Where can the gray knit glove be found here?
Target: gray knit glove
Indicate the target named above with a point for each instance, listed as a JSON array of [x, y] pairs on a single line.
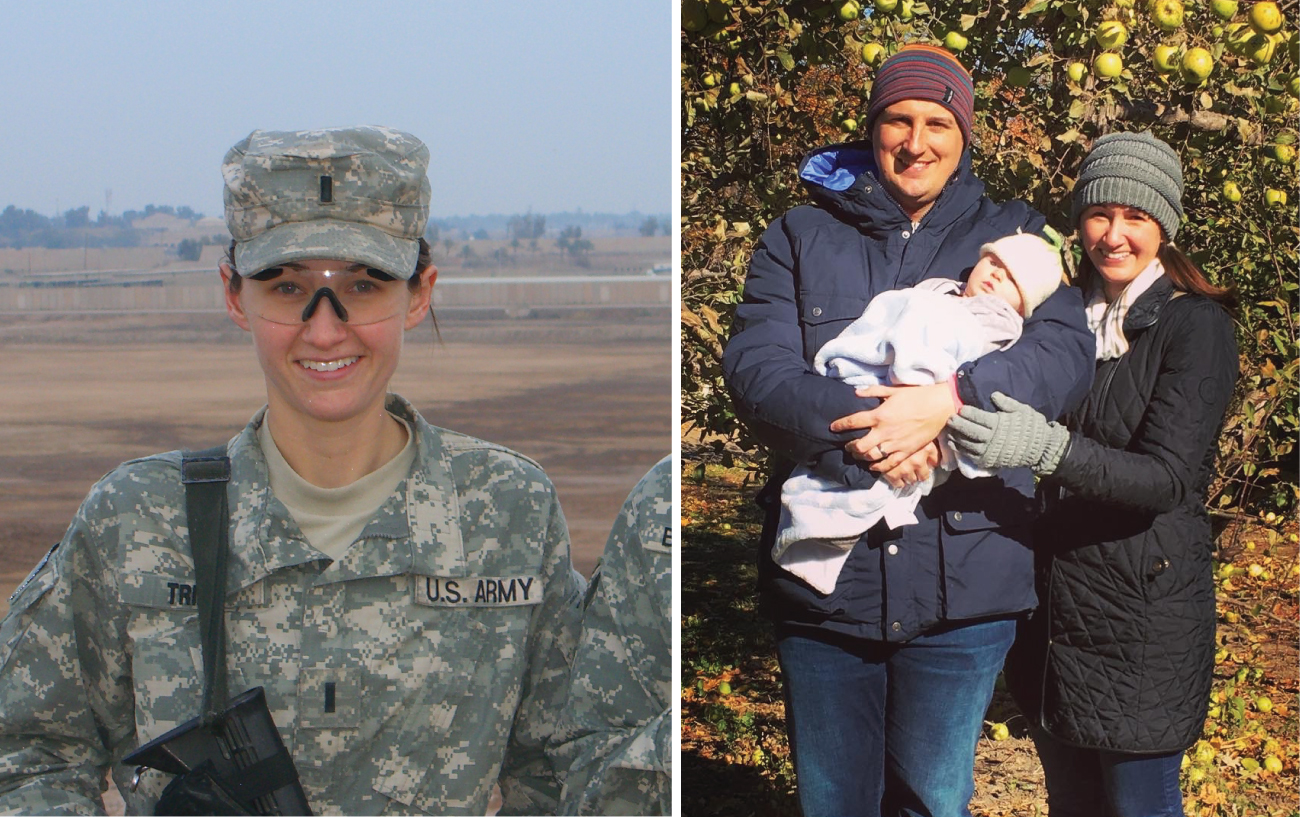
[[1014, 436]]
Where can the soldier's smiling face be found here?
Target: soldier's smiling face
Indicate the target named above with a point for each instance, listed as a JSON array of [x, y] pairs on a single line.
[[326, 369]]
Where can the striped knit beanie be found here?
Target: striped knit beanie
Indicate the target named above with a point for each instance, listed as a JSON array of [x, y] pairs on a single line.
[[926, 72], [1135, 170]]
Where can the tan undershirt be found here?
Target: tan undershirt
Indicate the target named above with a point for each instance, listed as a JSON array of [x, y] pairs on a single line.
[[332, 518]]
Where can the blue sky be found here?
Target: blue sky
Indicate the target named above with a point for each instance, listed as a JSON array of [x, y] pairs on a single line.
[[548, 106]]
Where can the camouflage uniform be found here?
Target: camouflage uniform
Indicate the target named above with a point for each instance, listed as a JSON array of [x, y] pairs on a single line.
[[615, 735], [442, 635]]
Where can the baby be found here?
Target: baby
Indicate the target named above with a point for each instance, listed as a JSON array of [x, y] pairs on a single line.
[[916, 336]]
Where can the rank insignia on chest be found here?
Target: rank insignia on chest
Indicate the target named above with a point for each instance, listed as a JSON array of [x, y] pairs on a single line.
[[477, 591]]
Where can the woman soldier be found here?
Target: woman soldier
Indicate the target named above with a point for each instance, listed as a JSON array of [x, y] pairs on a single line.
[[1114, 670], [402, 593]]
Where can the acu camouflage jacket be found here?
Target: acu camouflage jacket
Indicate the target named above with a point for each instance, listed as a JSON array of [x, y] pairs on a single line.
[[443, 636], [615, 736]]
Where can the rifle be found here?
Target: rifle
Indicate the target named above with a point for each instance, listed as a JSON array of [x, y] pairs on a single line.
[[227, 761]]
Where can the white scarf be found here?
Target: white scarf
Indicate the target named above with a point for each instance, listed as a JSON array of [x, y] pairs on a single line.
[[1106, 320]]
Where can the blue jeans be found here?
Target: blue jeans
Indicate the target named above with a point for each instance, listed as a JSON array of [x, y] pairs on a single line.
[[889, 729], [1098, 783]]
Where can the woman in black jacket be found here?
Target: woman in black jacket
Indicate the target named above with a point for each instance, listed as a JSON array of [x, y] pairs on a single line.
[[1114, 668]]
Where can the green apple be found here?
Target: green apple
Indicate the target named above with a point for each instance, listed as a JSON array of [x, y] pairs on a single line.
[[1237, 37], [1273, 764], [885, 6], [1076, 71], [1108, 64], [1165, 58], [999, 731], [734, 89], [719, 12], [1293, 87], [1262, 703], [872, 52], [1231, 191], [1285, 154], [694, 15], [849, 125], [1274, 198], [724, 688], [1224, 9], [1111, 34], [905, 9], [711, 79], [955, 41], [1070, 10], [1216, 32], [1019, 76], [1261, 48], [849, 10], [1167, 14], [1197, 65], [1265, 17]]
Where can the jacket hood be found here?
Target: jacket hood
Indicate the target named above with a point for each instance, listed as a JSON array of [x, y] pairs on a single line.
[[843, 179]]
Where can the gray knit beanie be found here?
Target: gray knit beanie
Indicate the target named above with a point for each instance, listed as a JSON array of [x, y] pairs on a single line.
[[1136, 170]]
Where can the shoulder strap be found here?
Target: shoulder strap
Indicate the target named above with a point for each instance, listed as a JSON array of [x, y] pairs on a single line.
[[205, 474]]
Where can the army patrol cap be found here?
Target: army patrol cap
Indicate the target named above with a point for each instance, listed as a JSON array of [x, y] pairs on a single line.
[[356, 194]]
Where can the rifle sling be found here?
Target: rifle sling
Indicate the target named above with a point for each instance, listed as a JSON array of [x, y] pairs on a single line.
[[205, 475]]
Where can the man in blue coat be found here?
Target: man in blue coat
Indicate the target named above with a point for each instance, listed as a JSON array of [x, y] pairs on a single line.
[[887, 678]]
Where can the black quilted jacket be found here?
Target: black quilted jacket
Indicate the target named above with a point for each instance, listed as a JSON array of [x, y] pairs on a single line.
[[1120, 654]]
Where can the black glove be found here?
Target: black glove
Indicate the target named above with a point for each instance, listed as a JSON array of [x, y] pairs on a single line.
[[1014, 436]]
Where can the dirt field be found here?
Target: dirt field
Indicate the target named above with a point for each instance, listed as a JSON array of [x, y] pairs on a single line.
[[588, 399]]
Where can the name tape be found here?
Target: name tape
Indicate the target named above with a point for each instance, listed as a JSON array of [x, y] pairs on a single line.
[[477, 591]]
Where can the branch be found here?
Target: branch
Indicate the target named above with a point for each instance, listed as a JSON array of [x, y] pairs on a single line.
[[1157, 112]]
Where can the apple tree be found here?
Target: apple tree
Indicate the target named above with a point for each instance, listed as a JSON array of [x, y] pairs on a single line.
[[764, 81]]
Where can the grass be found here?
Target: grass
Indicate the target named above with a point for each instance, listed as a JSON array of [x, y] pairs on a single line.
[[735, 759]]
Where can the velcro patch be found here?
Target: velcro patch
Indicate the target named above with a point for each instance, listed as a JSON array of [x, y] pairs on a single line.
[[662, 543], [177, 593], [477, 591]]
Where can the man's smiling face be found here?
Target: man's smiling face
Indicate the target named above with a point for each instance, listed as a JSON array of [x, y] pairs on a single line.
[[917, 145]]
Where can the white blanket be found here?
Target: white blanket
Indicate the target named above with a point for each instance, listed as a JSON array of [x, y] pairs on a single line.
[[917, 336]]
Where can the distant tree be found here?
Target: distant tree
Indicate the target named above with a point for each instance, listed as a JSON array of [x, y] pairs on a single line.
[[188, 214], [572, 244], [189, 249], [467, 252], [649, 226], [78, 218], [447, 245], [480, 234], [526, 226]]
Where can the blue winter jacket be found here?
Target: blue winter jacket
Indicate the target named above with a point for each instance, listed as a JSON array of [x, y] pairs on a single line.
[[813, 272]]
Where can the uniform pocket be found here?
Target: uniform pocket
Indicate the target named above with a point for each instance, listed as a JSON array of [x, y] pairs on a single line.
[[165, 669], [437, 767]]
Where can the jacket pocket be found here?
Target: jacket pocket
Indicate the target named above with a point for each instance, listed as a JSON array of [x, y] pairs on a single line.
[[823, 316]]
